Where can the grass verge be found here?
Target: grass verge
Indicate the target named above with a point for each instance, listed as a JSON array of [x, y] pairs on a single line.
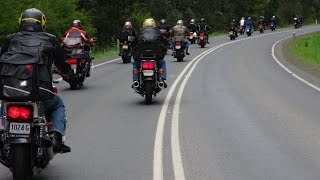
[[99, 54], [307, 49]]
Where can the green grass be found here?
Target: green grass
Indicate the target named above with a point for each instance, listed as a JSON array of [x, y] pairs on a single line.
[[104, 53], [307, 48]]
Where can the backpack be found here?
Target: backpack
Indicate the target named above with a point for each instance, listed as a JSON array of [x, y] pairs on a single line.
[[150, 44], [24, 70]]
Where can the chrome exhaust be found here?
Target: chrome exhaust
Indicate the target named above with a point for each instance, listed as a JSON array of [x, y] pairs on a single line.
[[136, 84], [160, 84]]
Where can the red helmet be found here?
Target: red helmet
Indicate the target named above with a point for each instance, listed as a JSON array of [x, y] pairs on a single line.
[[77, 24]]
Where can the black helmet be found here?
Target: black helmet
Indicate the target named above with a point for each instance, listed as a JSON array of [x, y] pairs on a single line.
[[32, 20], [202, 20]]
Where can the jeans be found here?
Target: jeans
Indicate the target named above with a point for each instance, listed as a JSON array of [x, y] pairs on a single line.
[[87, 57], [56, 112], [161, 63]]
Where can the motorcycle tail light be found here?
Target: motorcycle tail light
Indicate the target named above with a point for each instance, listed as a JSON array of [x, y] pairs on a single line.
[[19, 112], [178, 43], [55, 89], [191, 33], [160, 71], [201, 34], [72, 61], [135, 71], [148, 65]]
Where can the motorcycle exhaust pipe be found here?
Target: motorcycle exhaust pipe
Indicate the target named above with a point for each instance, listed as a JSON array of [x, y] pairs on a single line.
[[136, 84], [160, 84]]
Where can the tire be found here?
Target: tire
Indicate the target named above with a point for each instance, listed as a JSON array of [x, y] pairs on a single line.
[[202, 44], [21, 161], [179, 59], [148, 88], [73, 86]]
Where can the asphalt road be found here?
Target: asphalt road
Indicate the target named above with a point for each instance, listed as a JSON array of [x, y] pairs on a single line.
[[233, 114]]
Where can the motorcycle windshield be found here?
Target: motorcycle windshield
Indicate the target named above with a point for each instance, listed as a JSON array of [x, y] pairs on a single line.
[[72, 41]]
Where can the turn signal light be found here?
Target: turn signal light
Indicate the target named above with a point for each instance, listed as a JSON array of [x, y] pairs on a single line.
[[135, 71], [19, 112], [160, 71]]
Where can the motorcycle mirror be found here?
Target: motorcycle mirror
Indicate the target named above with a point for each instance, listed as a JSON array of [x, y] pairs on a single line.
[[94, 38]]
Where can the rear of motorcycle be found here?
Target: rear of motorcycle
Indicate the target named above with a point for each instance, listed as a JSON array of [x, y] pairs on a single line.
[[242, 29], [178, 51], [150, 83], [192, 37], [261, 29], [232, 35], [126, 50], [202, 40], [25, 143], [272, 27], [79, 66], [248, 31]]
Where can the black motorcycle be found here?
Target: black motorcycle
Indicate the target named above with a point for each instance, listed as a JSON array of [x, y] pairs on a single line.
[[25, 144], [126, 54], [178, 50], [150, 83]]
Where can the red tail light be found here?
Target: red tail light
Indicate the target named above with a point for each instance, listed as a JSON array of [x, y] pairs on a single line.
[[19, 112], [178, 43], [201, 34], [191, 33], [55, 89], [72, 61], [148, 65]]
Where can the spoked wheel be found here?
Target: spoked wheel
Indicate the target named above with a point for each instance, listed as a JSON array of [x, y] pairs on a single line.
[[148, 86], [21, 161]]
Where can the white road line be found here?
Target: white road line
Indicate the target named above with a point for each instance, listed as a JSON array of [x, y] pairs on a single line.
[[176, 154], [100, 64], [288, 70]]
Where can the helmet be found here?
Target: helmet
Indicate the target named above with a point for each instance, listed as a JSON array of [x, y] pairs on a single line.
[[192, 21], [77, 24], [233, 20], [32, 18], [149, 23], [261, 17], [202, 20], [249, 17], [273, 16], [242, 18], [162, 21], [180, 22], [128, 24]]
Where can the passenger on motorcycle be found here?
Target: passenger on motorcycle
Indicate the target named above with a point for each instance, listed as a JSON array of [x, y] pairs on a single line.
[[204, 27], [274, 21], [124, 33], [234, 27], [32, 23], [158, 46], [180, 32], [262, 22], [75, 31]]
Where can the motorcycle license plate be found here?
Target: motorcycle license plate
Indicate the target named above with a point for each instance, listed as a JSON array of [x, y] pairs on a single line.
[[201, 38], [73, 66], [178, 47], [125, 47], [20, 128], [148, 72]]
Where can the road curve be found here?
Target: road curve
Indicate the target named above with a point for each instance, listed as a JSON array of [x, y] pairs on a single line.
[[241, 117]]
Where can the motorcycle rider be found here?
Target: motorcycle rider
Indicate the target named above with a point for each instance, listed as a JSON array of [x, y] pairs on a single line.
[[75, 29], [234, 27], [126, 31], [32, 23], [274, 21], [192, 27], [204, 27], [242, 23], [262, 22], [159, 46], [249, 23], [181, 32], [164, 26]]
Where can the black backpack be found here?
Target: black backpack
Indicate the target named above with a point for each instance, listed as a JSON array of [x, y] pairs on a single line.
[[25, 70]]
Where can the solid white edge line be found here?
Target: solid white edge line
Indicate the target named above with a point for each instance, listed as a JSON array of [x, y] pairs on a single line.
[[100, 64], [286, 69]]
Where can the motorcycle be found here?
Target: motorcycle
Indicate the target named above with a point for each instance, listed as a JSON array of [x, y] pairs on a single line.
[[75, 53], [261, 28], [249, 30], [232, 35], [126, 50], [202, 41], [150, 83], [192, 37], [165, 33], [272, 27], [25, 144], [178, 50], [297, 23], [242, 30]]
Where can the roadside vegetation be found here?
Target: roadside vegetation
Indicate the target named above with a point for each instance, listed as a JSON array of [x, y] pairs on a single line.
[[306, 48]]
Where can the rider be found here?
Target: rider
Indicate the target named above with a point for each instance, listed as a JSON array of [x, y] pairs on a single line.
[[76, 30], [192, 27], [164, 26], [204, 27], [234, 27], [242, 23], [249, 23], [126, 31], [180, 32], [262, 22], [32, 23], [158, 45], [274, 21]]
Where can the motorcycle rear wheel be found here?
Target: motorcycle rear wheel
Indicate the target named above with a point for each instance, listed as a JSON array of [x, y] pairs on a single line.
[[73, 86], [21, 161], [148, 88]]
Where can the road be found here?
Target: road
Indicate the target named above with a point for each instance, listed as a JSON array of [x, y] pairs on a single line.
[[231, 114]]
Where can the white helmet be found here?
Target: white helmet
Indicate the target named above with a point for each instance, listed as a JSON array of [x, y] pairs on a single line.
[[180, 22], [192, 21], [242, 18], [274, 16]]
